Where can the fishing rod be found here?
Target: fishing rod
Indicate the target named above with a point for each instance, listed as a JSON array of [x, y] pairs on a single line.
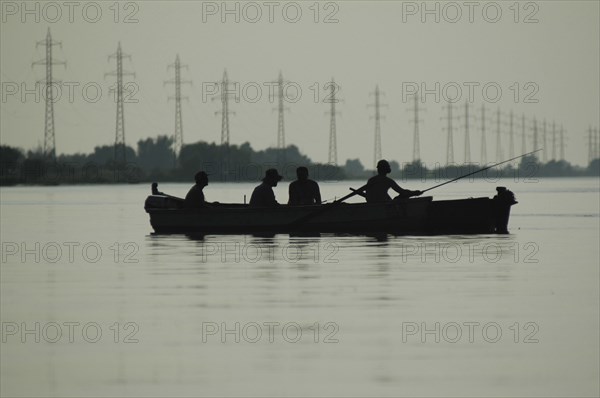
[[480, 170]]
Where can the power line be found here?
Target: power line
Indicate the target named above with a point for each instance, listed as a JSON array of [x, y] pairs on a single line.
[[49, 133]]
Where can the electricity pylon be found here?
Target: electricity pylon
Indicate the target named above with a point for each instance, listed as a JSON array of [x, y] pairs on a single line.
[[48, 61], [467, 144], [449, 135], [120, 148], [498, 138], [178, 133], [483, 157], [377, 116], [281, 108], [415, 120], [332, 158], [225, 112]]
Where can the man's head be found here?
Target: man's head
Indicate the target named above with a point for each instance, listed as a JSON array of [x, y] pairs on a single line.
[[201, 178], [302, 173], [383, 167], [272, 177]]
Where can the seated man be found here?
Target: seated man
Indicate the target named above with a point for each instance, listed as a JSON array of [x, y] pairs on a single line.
[[304, 191], [263, 195], [195, 197], [378, 186]]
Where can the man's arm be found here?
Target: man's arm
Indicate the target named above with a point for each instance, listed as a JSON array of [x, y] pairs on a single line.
[[272, 198], [406, 193], [290, 194], [317, 194]]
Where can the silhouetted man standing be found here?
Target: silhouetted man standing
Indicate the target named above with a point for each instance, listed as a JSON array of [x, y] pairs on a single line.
[[195, 197], [304, 191], [378, 186], [263, 195]]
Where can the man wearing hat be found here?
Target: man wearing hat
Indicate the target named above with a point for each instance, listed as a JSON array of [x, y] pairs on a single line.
[[195, 197], [263, 195]]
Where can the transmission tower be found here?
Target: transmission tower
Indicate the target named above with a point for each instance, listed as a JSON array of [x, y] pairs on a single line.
[[377, 142], [523, 135], [280, 113], [535, 136], [498, 139], [467, 138], [591, 139], [178, 133], [593, 144], [449, 139], [544, 141], [511, 135], [483, 143], [332, 127], [225, 112], [120, 148], [596, 144], [416, 120], [562, 143], [553, 140], [49, 137]]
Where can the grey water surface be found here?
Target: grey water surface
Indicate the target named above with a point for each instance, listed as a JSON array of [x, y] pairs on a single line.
[[94, 304]]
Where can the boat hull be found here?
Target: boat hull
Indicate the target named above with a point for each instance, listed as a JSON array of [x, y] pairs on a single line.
[[416, 216]]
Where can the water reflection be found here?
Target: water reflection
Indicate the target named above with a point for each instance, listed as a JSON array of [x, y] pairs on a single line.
[[370, 286]]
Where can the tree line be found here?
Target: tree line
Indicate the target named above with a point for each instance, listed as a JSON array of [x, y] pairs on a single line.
[[154, 160]]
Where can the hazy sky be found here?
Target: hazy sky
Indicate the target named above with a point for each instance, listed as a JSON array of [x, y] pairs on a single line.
[[553, 60]]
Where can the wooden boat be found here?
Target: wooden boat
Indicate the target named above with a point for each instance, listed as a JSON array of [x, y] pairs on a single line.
[[415, 216]]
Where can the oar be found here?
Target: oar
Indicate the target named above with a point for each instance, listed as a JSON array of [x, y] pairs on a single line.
[[480, 170]]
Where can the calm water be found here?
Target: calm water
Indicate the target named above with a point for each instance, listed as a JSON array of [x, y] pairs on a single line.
[[117, 311]]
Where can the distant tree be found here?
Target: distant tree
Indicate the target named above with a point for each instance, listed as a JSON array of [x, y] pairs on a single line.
[[414, 169], [354, 168], [105, 155], [556, 168], [593, 168], [156, 154], [10, 162], [395, 166], [221, 162], [529, 167], [10, 155]]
